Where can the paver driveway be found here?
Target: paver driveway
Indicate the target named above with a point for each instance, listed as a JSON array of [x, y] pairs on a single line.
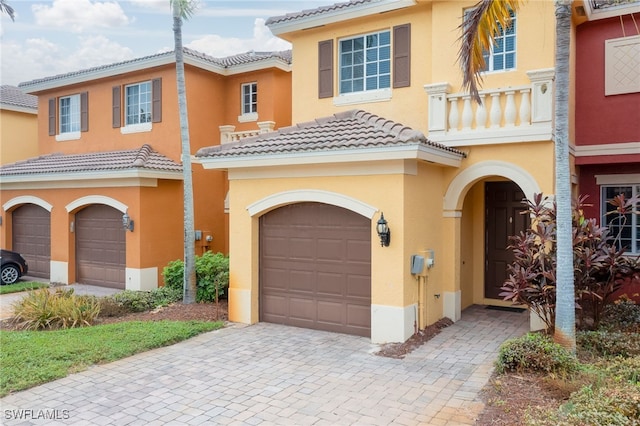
[[271, 374]]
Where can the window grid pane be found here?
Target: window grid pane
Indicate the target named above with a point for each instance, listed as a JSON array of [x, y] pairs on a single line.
[[624, 229], [502, 55], [70, 114], [365, 63], [249, 98], [138, 103]]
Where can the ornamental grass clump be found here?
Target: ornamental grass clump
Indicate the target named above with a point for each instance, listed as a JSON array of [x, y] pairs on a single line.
[[43, 309]]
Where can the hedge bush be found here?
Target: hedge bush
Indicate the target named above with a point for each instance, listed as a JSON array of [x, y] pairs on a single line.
[[535, 352], [609, 343], [212, 276], [138, 301]]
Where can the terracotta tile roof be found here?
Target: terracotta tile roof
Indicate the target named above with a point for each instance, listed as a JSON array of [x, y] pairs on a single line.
[[143, 158], [355, 129], [226, 62], [315, 12], [13, 96]]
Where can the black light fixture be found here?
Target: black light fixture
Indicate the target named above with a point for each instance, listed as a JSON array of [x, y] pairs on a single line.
[[383, 231], [127, 223]]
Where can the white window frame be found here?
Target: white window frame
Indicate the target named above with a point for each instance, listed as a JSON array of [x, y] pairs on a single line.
[[139, 121], [367, 63], [248, 102], [68, 118], [633, 220], [500, 41]]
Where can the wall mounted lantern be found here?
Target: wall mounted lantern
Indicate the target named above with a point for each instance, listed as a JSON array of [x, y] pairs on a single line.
[[383, 231], [127, 223]]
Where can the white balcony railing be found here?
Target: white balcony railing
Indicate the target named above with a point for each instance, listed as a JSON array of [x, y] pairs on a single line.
[[227, 133], [506, 115]]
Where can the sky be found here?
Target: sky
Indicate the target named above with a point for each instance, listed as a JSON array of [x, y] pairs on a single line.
[[59, 36]]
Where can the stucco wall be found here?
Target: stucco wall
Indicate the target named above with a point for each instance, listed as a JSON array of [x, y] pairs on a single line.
[[18, 136]]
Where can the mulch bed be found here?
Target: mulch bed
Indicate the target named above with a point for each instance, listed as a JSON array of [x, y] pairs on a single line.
[[400, 350]]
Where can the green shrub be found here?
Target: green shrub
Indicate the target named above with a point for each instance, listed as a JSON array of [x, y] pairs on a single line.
[[212, 276], [535, 352], [613, 404], [138, 301], [621, 369], [42, 309], [621, 315], [609, 344]]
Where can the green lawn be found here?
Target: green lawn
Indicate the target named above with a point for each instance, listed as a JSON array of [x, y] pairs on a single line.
[[30, 358], [21, 286]]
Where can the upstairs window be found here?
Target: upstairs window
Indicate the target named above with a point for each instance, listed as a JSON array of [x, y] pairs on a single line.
[[624, 228], [249, 98], [138, 103], [365, 62], [69, 114], [366, 66], [502, 54], [142, 106]]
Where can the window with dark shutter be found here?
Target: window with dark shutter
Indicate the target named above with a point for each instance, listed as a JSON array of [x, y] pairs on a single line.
[[84, 111], [116, 116], [52, 116], [325, 69], [402, 55], [156, 94]]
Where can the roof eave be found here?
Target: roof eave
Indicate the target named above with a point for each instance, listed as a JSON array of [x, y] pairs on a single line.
[[18, 108], [339, 15], [9, 180], [417, 152]]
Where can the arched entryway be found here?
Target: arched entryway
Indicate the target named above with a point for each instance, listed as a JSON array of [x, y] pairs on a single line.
[[315, 268], [31, 237], [100, 246]]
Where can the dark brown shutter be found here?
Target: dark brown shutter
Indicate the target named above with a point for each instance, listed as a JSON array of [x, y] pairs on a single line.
[[156, 96], [52, 116], [117, 116], [325, 69], [84, 111], [402, 55]]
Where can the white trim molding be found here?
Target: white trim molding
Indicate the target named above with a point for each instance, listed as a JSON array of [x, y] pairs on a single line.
[[626, 148], [59, 272], [69, 136], [96, 199], [464, 180], [392, 323], [452, 305], [297, 196], [366, 96], [27, 199], [136, 128], [141, 279], [621, 179]]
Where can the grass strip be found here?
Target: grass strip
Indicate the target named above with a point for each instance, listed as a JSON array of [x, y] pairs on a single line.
[[21, 286], [30, 358]]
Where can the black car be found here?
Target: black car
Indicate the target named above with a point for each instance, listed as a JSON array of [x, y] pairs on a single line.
[[13, 266]]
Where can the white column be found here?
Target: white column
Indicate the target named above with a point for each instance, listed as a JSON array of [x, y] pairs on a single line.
[[495, 114], [510, 112], [454, 117], [437, 107], [525, 107], [225, 133], [467, 113], [481, 113], [541, 95]]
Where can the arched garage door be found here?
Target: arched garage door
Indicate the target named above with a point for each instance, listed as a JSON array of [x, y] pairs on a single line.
[[100, 247], [315, 268], [32, 238]]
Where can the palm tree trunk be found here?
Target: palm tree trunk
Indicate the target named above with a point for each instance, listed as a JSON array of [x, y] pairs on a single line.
[[565, 328], [189, 233]]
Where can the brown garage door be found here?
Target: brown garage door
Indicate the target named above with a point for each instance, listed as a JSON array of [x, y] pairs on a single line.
[[32, 238], [315, 268], [100, 247]]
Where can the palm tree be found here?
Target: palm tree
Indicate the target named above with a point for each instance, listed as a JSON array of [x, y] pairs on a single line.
[[183, 9], [5, 8], [479, 31]]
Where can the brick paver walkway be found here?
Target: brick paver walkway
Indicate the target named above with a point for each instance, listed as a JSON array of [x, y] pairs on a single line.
[[271, 374]]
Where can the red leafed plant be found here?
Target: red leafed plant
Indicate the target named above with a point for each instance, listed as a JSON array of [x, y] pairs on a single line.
[[599, 266]]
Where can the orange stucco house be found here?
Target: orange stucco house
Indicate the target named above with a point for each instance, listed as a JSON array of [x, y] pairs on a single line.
[[101, 203]]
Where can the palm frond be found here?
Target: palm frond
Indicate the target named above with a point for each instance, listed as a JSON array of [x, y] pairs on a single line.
[[183, 9], [6, 8], [479, 30]]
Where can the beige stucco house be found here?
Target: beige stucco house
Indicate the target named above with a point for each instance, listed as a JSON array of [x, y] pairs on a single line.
[[385, 128]]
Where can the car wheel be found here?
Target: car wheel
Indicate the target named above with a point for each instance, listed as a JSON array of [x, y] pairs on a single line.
[[10, 274]]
